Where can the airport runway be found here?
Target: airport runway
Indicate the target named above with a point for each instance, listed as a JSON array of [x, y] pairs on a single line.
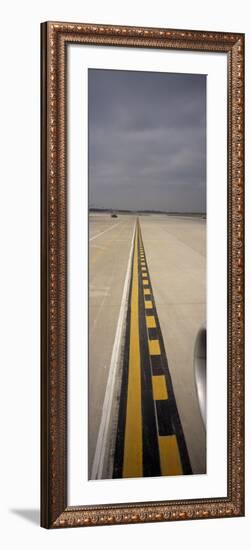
[[109, 248], [176, 255], [174, 250]]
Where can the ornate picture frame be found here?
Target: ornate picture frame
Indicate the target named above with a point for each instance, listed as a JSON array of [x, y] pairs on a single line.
[[55, 511]]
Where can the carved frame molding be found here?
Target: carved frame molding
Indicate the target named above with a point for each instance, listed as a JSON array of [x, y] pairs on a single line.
[[54, 40]]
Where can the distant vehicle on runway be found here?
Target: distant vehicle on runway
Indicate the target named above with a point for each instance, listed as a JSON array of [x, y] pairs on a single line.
[[114, 215]]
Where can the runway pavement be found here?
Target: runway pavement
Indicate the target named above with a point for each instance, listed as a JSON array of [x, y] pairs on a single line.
[[109, 248], [175, 260], [176, 255]]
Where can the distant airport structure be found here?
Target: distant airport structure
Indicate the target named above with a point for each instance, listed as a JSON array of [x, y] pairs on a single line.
[[145, 212]]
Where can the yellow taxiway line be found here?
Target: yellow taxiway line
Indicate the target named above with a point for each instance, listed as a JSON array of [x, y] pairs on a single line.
[[133, 446]]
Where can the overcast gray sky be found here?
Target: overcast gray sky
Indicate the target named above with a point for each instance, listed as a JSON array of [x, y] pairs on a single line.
[[147, 141]]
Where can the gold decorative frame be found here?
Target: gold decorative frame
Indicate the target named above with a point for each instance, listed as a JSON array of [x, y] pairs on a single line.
[[54, 509]]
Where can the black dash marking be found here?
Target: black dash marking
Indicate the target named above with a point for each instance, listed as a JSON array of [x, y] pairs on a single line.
[[153, 334], [156, 362], [151, 458], [164, 413]]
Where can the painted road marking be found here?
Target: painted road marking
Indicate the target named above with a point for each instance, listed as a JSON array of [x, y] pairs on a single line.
[[132, 460], [154, 347], [169, 456], [159, 387], [105, 231], [150, 439], [150, 321]]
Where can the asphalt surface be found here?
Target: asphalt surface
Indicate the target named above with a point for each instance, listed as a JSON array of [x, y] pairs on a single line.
[[175, 249]]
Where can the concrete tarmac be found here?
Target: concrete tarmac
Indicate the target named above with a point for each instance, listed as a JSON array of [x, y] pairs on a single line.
[[176, 255], [109, 247]]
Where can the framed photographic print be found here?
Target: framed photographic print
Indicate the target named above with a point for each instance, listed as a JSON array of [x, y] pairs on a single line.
[[142, 343]]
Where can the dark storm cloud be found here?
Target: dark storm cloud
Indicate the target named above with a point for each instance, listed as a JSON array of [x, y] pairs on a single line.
[[147, 140]]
